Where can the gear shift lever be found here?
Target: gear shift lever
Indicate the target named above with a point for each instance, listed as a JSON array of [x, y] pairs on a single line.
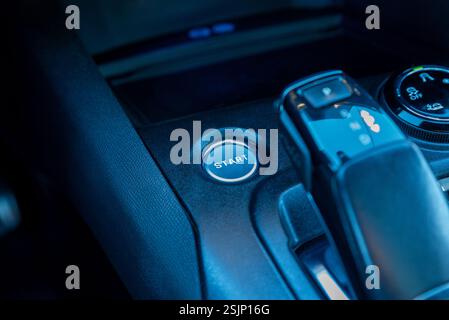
[[378, 197]]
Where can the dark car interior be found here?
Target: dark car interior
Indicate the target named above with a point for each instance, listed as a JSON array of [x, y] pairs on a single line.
[[362, 164]]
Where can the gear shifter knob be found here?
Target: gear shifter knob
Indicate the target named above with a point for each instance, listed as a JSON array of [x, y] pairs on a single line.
[[337, 118], [377, 195]]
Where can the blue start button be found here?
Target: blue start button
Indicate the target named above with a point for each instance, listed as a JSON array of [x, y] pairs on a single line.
[[229, 161]]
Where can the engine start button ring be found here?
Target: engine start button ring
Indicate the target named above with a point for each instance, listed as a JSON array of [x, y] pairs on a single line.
[[230, 161]]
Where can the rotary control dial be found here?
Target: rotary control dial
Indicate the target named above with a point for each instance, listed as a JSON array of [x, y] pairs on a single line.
[[419, 100]]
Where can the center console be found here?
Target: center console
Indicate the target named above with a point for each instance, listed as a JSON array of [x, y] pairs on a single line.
[[301, 233]]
